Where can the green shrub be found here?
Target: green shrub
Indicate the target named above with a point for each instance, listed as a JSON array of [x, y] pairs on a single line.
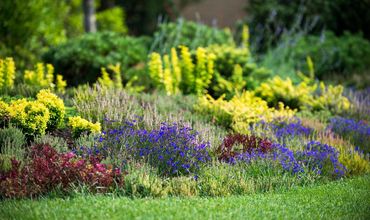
[[235, 70], [12, 140], [222, 179], [143, 181], [111, 78], [190, 34], [21, 90], [58, 143], [331, 54], [80, 59], [85, 140], [12, 145]]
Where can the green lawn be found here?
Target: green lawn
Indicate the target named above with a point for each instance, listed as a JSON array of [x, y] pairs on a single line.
[[348, 199]]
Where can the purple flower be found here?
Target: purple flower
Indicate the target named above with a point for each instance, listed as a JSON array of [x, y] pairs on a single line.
[[173, 148], [356, 131]]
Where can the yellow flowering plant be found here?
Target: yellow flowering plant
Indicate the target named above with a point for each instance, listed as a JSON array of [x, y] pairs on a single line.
[[60, 84], [174, 74], [43, 77], [7, 73]]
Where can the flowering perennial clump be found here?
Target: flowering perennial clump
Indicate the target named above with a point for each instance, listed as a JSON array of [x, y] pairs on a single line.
[[317, 157], [356, 131], [47, 170], [286, 158], [174, 149], [288, 129], [321, 158], [43, 77], [7, 73], [189, 75]]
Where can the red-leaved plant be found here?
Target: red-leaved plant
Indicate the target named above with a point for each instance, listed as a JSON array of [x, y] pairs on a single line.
[[45, 170], [235, 144]]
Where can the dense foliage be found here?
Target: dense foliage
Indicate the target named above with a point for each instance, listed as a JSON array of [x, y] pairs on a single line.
[[331, 54], [270, 19], [80, 59]]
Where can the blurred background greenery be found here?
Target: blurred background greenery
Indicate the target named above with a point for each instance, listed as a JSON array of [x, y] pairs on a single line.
[[282, 34]]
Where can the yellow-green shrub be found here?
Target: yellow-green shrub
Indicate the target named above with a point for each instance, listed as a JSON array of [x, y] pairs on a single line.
[[60, 84], [55, 106], [245, 36], [7, 73], [187, 69], [31, 116], [230, 87], [183, 186], [113, 79], [80, 125], [241, 110], [4, 112], [226, 57], [278, 90], [305, 95], [331, 98], [42, 76], [355, 163], [105, 80], [173, 74]]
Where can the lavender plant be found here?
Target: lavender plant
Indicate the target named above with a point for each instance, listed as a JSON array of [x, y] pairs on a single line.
[[316, 157], [283, 129], [358, 132], [174, 149], [288, 132], [321, 158]]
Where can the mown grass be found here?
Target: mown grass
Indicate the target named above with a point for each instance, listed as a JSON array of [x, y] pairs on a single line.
[[344, 199]]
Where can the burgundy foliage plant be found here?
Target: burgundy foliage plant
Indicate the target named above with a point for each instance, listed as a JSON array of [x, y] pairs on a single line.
[[45, 170], [236, 144]]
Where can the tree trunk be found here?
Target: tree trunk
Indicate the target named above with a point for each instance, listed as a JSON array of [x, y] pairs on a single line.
[[89, 16]]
